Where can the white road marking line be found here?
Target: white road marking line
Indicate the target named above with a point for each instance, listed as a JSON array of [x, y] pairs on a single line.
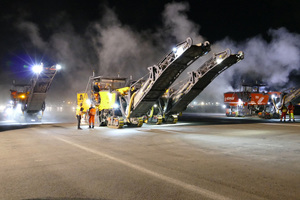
[[184, 185]]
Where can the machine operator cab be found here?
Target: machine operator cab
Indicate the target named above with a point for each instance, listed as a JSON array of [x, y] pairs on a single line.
[[104, 91]]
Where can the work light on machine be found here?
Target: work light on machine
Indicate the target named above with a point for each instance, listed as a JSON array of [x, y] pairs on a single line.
[[240, 103], [37, 68], [58, 66], [219, 59], [178, 51]]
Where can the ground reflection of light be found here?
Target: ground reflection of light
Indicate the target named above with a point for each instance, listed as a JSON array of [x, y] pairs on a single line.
[[49, 108], [2, 107], [19, 106], [123, 132], [9, 111]]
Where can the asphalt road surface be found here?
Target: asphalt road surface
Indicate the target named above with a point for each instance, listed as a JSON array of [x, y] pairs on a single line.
[[201, 157]]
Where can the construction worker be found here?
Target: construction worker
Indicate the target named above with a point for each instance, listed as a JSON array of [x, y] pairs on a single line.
[[96, 90], [92, 113], [283, 112], [79, 113], [291, 109]]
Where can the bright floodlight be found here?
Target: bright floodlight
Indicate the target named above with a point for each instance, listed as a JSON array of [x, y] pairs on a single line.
[[58, 66], [37, 68], [88, 101], [240, 102], [219, 60], [179, 51]]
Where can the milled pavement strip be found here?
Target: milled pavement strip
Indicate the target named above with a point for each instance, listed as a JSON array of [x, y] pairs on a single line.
[[184, 185]]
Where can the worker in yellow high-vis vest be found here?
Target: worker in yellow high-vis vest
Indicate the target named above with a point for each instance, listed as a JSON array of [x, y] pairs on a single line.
[[79, 114]]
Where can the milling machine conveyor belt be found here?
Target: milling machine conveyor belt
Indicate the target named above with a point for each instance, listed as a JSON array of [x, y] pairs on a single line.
[[200, 79], [164, 74], [39, 87], [287, 97], [293, 94]]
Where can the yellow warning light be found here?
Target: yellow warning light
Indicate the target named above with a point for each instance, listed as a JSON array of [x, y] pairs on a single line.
[[22, 96]]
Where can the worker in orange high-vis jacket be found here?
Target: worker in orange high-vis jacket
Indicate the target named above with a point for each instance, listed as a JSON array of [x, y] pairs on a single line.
[[291, 109], [92, 113]]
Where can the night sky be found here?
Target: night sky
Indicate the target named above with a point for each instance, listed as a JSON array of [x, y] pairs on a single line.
[[125, 37]]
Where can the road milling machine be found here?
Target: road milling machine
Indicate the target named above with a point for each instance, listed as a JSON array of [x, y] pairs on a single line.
[[30, 98], [257, 100], [119, 102], [174, 102]]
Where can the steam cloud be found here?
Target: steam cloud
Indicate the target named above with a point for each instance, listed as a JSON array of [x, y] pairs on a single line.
[[109, 48]]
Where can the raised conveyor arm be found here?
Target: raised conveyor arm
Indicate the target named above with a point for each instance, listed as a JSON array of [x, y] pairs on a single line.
[[39, 86], [200, 79], [288, 97], [293, 94], [164, 74]]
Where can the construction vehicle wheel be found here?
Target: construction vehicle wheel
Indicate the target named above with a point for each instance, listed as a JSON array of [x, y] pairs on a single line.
[[140, 123], [159, 120], [115, 122], [175, 119], [119, 122]]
